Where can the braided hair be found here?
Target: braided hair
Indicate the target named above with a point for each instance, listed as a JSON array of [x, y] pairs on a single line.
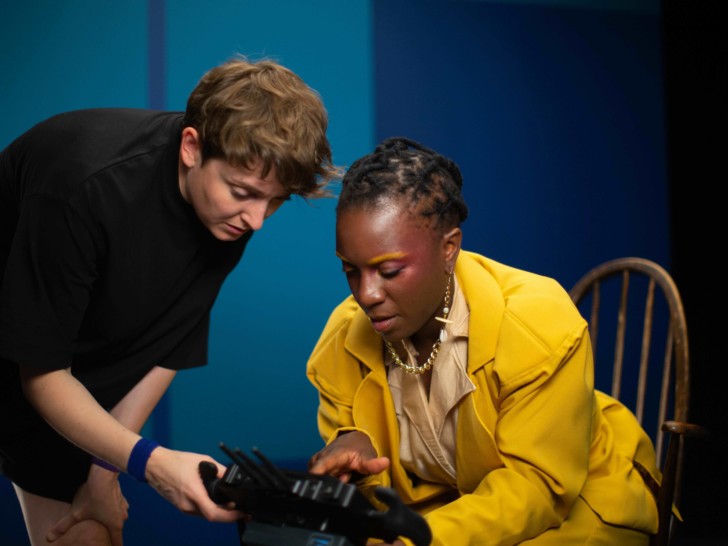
[[400, 168]]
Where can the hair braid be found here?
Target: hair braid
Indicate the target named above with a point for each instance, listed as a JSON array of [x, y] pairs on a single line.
[[401, 168]]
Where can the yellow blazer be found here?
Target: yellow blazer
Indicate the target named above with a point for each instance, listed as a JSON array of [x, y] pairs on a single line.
[[533, 435]]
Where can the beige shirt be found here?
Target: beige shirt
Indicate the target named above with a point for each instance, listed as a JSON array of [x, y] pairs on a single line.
[[427, 426]]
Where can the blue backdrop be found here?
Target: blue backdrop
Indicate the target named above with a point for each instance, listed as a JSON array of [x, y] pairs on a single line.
[[554, 111], [554, 114]]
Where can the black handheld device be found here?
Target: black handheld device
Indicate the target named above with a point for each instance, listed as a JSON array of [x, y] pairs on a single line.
[[299, 508]]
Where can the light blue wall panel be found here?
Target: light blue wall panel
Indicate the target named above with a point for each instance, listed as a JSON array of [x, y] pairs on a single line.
[[57, 56], [62, 56], [273, 307]]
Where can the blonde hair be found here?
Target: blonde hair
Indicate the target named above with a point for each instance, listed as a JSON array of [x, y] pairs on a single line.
[[249, 111]]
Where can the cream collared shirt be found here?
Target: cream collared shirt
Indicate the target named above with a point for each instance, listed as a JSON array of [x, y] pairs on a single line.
[[428, 425]]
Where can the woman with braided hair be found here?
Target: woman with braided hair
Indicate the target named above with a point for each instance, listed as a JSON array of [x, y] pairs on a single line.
[[465, 384]]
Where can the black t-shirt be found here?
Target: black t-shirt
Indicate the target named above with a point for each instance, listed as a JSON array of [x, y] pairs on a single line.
[[105, 268]]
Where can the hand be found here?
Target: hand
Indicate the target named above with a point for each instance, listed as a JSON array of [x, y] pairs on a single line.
[[176, 476], [350, 452], [98, 499]]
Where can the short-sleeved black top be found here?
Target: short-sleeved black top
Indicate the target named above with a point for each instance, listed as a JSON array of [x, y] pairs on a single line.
[[105, 267]]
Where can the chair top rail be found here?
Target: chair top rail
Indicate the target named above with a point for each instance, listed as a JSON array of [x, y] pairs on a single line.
[[678, 326]]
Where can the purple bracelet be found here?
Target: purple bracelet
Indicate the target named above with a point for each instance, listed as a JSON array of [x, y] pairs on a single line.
[[137, 465], [104, 464]]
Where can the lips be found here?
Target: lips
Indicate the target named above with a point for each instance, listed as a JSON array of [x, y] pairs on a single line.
[[381, 324], [235, 230]]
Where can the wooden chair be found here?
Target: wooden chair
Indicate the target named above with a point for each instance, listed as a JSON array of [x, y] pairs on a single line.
[[636, 303]]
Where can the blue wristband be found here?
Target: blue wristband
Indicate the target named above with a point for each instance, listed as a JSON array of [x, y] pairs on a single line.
[[137, 465]]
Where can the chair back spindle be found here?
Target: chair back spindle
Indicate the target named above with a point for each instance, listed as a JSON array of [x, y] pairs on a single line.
[[616, 295]]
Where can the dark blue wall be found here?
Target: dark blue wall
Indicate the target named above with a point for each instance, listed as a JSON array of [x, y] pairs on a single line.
[[554, 114]]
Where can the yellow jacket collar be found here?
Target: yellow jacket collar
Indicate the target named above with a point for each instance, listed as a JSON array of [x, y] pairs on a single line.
[[485, 302], [363, 342]]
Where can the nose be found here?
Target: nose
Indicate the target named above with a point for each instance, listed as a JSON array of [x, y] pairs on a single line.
[[255, 214], [369, 291]]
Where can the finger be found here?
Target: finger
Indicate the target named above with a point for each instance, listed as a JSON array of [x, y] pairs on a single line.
[[60, 528], [316, 468], [314, 460], [374, 466], [219, 514], [334, 464], [321, 465], [117, 537], [201, 504]]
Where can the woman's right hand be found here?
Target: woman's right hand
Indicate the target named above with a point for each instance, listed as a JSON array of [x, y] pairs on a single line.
[[100, 499], [350, 452], [176, 476]]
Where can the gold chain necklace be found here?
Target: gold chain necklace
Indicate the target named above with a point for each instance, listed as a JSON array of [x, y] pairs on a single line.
[[435, 348]]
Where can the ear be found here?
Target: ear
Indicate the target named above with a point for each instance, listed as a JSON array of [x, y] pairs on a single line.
[[451, 242], [189, 149]]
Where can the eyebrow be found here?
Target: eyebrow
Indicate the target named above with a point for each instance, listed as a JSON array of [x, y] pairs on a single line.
[[378, 259], [241, 184], [255, 191]]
